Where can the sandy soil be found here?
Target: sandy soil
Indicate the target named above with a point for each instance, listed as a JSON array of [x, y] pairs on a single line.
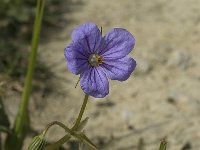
[[160, 100]]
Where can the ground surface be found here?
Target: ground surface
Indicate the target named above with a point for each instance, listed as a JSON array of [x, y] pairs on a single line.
[[160, 100]]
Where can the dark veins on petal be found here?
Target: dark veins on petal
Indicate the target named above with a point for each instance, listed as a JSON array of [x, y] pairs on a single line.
[[88, 45], [99, 76], [84, 50], [105, 47], [111, 48], [112, 66], [109, 69]]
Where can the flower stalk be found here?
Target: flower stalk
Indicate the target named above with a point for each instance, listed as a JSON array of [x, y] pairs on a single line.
[[78, 120], [74, 131], [59, 124]]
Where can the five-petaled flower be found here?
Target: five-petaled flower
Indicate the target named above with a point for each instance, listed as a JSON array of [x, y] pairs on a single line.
[[98, 58]]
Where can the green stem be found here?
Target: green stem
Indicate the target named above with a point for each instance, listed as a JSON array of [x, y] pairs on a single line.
[[59, 124], [62, 140], [78, 120], [71, 131], [22, 116]]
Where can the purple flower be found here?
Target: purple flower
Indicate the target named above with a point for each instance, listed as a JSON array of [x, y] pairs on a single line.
[[98, 58]]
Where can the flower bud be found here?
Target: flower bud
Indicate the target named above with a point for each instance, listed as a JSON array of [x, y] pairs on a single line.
[[163, 145], [37, 143]]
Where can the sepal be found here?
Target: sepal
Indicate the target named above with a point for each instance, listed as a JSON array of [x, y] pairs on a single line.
[[37, 143]]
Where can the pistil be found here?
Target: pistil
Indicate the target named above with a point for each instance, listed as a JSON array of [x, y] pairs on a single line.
[[95, 60]]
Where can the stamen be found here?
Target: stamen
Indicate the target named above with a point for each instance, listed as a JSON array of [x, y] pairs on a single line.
[[99, 59], [95, 59]]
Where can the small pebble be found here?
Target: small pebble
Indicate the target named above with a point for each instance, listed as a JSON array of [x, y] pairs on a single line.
[[105, 104], [187, 146], [143, 66], [180, 59]]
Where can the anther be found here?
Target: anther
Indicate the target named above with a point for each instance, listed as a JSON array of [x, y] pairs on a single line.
[[95, 60]]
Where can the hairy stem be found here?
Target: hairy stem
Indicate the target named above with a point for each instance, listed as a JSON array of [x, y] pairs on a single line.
[[58, 143], [59, 124], [71, 131], [78, 120]]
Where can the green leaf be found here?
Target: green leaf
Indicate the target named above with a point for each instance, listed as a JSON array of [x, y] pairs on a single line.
[[4, 122], [4, 129], [83, 124], [163, 145], [83, 138]]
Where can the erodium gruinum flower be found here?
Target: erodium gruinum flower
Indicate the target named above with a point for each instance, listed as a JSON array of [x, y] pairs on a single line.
[[98, 58]]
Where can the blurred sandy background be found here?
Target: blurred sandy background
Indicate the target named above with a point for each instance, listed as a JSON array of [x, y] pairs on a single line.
[[160, 100]]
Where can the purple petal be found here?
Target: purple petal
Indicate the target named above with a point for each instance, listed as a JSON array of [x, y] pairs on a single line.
[[117, 44], [94, 82], [91, 35], [120, 69], [77, 60]]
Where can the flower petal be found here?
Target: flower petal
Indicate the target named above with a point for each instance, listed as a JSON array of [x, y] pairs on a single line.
[[94, 82], [77, 60], [117, 44], [91, 35], [120, 69]]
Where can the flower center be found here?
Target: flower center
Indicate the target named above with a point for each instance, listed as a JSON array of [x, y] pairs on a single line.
[[95, 60]]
